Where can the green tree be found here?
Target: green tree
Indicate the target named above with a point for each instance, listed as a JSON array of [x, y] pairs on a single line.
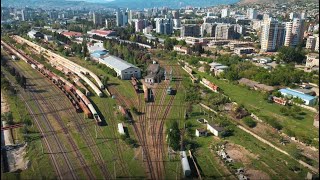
[[249, 122], [206, 67], [290, 54], [174, 135]]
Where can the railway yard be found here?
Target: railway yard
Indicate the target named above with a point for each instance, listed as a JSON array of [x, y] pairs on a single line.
[[80, 136]]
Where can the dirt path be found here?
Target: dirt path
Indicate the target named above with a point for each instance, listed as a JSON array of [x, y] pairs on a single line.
[[278, 149]]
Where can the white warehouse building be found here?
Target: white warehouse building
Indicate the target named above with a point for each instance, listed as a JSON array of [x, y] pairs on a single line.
[[124, 69]]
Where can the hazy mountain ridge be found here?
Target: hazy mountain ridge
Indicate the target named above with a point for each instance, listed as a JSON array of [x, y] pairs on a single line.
[[135, 4]]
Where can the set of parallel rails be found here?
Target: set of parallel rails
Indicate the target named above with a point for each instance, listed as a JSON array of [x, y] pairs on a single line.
[[56, 149], [142, 139], [96, 153]]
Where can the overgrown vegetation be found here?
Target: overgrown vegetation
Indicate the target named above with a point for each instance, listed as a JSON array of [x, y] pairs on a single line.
[[249, 122], [173, 132]]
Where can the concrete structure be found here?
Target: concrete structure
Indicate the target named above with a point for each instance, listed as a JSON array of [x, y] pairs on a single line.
[[224, 31], [102, 33], [311, 43], [217, 68], [201, 132], [47, 37], [121, 129], [95, 47], [262, 60], [316, 47], [312, 60], [140, 24], [192, 30], [290, 93], [164, 26], [98, 54], [175, 14], [272, 35], [252, 13], [185, 164], [214, 129], [35, 34], [225, 12], [124, 69], [97, 19], [121, 18], [182, 49], [243, 50], [176, 23], [109, 23], [294, 32], [208, 29], [255, 85], [147, 30], [155, 74], [71, 34]]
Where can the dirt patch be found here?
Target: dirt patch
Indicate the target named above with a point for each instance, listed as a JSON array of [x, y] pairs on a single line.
[[256, 174], [16, 158], [4, 104], [239, 153]]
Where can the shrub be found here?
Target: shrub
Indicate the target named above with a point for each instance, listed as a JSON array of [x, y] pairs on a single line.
[[273, 123], [249, 122]]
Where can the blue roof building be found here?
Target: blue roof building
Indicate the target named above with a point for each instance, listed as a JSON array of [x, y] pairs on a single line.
[[98, 54], [308, 100]]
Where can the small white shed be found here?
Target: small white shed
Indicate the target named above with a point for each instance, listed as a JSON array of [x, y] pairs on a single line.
[[201, 132], [214, 129], [120, 128]]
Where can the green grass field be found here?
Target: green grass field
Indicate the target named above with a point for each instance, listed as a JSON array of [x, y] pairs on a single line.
[[255, 103]]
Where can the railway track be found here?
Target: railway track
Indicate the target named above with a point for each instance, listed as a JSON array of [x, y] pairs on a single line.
[[39, 98], [89, 142], [62, 164], [142, 128]]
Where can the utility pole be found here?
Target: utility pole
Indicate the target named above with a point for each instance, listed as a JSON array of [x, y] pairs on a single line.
[[42, 148], [114, 169], [142, 155], [95, 127]]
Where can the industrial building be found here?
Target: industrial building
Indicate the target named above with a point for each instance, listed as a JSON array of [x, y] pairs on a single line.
[[124, 69], [102, 33], [155, 74], [214, 129], [243, 50], [192, 30], [312, 60], [255, 85], [290, 93], [182, 49], [201, 132], [35, 34]]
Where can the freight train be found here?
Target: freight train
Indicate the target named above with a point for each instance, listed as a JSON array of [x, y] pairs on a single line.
[[210, 85], [146, 93], [126, 114], [77, 98], [135, 84]]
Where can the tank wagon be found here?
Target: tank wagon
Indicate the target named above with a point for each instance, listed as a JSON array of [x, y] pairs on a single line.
[[125, 113], [135, 83], [185, 164], [77, 98], [146, 93]]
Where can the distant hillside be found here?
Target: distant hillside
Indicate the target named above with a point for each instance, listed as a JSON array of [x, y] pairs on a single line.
[[132, 4], [243, 2]]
